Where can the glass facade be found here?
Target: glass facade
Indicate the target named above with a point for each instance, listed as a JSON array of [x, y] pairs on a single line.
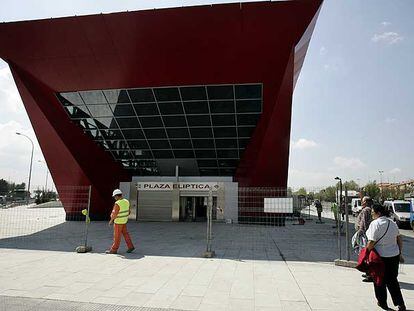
[[211, 124]]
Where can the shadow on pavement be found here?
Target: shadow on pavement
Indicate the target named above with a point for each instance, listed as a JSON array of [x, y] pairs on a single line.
[[311, 242]]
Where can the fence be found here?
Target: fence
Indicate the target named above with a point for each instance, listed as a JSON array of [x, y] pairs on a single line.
[[277, 224], [45, 226]]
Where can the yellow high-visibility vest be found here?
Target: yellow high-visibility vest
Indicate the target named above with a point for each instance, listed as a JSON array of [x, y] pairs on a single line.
[[122, 217]]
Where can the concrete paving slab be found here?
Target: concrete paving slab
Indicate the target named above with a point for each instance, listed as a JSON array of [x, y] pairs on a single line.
[[259, 268]]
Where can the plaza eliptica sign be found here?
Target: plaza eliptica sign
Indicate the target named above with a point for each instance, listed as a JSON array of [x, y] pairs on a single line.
[[182, 186]]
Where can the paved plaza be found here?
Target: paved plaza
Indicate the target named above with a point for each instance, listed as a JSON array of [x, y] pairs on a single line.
[[256, 268]]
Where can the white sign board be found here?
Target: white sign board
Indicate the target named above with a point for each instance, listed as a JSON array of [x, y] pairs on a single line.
[[182, 186], [278, 205]]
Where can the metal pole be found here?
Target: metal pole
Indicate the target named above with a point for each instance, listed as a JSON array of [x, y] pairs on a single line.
[[348, 250], [338, 216], [209, 252], [86, 222], [30, 170]]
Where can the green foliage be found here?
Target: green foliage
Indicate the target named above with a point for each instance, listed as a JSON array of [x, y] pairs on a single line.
[[371, 189], [301, 191], [44, 196], [4, 187], [350, 185]]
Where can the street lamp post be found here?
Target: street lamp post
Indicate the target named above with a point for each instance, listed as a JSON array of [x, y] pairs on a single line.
[[339, 218], [47, 173], [30, 170], [381, 172]]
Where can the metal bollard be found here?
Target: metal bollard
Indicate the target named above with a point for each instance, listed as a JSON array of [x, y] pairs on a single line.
[[209, 253]]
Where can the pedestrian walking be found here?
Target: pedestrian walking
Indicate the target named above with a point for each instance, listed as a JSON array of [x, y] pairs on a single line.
[[384, 236], [362, 224], [119, 217], [319, 208]]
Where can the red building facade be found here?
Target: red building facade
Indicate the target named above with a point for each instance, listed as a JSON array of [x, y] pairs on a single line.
[[207, 88]]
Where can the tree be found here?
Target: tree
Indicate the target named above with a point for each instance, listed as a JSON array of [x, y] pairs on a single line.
[[372, 190], [330, 194], [351, 185], [301, 191], [4, 187]]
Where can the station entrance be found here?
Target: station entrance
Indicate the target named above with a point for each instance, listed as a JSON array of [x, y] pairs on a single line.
[[194, 208]]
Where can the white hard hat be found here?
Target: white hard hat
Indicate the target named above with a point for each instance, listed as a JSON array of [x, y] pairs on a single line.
[[116, 192]]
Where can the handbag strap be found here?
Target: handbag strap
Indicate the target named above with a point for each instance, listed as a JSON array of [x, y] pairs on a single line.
[[384, 233]]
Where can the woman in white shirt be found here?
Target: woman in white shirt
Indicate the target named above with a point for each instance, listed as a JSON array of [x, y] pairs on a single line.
[[384, 236]]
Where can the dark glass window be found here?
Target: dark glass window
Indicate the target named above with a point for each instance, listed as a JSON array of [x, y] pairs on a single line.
[[247, 119], [174, 121], [227, 153], [206, 154], [94, 134], [70, 97], [226, 143], [220, 92], [116, 96], [171, 108], [209, 172], [245, 131], [128, 122], [204, 132], [146, 109], [181, 144], [77, 113], [178, 133], [105, 123], [227, 171], [117, 144], [155, 133], [141, 95], [142, 154], [207, 163], [248, 106], [138, 144], [133, 134], [159, 144], [93, 97], [223, 120], [193, 93], [151, 122], [123, 110], [184, 153], [225, 132], [103, 144], [167, 94], [99, 111], [228, 163], [196, 107], [248, 91], [203, 143], [201, 120], [122, 155], [163, 154], [222, 106], [112, 134], [243, 142]]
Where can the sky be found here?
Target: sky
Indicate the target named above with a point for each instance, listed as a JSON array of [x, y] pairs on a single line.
[[353, 105]]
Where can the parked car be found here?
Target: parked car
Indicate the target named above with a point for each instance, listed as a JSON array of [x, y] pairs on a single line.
[[356, 206], [400, 211], [411, 200]]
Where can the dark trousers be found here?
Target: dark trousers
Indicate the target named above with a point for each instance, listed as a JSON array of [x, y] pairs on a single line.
[[320, 215], [390, 282]]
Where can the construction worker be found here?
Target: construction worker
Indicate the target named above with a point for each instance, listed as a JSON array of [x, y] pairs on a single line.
[[119, 217]]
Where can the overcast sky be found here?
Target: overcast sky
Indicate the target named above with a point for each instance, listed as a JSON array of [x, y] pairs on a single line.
[[353, 105]]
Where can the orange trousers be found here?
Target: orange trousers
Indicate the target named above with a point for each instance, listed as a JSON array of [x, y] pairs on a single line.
[[118, 230]]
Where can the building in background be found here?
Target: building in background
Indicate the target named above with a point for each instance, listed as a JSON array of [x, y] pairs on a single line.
[[200, 93]]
